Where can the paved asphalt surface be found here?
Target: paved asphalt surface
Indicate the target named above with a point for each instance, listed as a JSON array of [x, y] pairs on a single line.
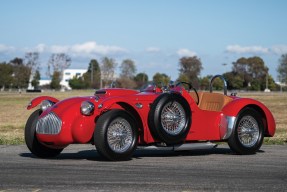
[[80, 168]]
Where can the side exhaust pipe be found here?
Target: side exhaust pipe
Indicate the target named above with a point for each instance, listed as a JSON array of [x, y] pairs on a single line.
[[182, 147]]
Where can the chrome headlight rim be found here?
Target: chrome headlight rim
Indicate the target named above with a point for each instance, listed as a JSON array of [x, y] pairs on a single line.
[[45, 104], [87, 108]]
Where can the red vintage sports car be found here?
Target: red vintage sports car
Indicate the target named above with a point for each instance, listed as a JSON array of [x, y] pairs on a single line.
[[117, 121]]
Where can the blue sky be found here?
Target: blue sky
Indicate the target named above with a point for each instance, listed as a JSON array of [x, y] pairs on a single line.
[[155, 34]]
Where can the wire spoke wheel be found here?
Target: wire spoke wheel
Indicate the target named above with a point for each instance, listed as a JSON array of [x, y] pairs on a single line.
[[116, 135], [119, 135], [169, 118], [248, 131], [173, 118]]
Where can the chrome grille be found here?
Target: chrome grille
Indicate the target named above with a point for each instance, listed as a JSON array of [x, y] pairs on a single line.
[[49, 124]]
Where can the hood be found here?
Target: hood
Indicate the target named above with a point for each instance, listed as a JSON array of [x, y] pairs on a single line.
[[115, 92], [70, 106]]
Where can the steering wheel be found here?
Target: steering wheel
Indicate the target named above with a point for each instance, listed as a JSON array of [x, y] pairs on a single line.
[[190, 88]]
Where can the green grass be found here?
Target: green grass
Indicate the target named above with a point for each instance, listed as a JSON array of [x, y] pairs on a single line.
[[12, 141], [13, 113], [280, 138]]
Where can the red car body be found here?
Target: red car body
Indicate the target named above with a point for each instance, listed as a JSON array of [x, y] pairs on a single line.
[[210, 117]]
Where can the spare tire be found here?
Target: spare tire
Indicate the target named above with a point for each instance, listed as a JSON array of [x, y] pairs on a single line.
[[169, 118]]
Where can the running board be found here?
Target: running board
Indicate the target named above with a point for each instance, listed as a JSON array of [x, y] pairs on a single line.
[[181, 147]]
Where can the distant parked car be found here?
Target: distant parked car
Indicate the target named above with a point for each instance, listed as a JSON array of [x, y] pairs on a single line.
[[116, 121]]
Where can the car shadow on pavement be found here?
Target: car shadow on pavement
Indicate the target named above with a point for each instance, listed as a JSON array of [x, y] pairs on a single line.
[[93, 155]]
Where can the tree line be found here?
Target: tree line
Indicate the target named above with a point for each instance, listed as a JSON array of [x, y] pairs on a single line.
[[22, 73], [246, 73]]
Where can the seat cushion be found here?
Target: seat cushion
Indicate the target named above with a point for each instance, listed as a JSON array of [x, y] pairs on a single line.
[[213, 101]]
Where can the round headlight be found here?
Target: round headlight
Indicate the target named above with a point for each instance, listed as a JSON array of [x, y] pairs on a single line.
[[46, 104], [87, 108]]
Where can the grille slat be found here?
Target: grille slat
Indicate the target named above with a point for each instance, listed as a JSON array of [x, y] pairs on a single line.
[[50, 124]]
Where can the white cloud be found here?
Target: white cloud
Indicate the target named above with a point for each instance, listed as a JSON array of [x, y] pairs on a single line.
[[84, 49], [40, 48], [59, 49], [87, 48], [153, 49], [279, 49], [246, 49], [5, 48], [93, 47], [186, 52]]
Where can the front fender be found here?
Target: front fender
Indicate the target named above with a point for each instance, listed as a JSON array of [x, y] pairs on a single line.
[[133, 100], [36, 101], [108, 104], [138, 107]]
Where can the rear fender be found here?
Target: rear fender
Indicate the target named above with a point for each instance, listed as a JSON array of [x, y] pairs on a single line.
[[233, 108], [36, 101]]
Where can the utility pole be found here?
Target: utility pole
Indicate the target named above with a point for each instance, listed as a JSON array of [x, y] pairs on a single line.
[[267, 81], [92, 73], [266, 89], [224, 65], [101, 81]]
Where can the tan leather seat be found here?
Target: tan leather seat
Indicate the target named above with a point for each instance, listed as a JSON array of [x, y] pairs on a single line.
[[194, 96], [213, 101], [210, 101]]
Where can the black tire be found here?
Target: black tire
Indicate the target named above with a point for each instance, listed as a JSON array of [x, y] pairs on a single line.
[[161, 121], [32, 143], [114, 128], [243, 141]]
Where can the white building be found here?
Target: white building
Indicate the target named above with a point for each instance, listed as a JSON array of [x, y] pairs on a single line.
[[45, 81], [67, 75]]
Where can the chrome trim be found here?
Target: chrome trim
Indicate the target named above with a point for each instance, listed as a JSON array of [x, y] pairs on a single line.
[[87, 108], [230, 126], [49, 124], [45, 104], [97, 98], [139, 105]]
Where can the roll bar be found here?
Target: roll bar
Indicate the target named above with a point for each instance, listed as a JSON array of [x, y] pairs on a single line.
[[224, 83]]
